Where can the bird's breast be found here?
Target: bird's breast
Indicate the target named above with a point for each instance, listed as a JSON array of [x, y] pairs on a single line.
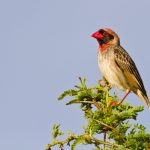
[[111, 72]]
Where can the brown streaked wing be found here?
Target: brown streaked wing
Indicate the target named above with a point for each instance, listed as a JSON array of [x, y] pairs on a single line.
[[127, 65]]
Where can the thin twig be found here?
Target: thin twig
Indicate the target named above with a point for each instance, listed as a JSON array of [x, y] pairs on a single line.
[[61, 143], [96, 104], [85, 102], [108, 126], [84, 136], [89, 102], [104, 139]]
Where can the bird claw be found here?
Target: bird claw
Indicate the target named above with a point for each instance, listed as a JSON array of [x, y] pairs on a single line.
[[114, 103], [99, 81]]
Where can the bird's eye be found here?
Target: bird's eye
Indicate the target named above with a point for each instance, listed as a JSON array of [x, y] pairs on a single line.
[[105, 34]]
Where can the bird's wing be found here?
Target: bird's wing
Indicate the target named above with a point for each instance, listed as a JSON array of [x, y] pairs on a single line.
[[127, 65]]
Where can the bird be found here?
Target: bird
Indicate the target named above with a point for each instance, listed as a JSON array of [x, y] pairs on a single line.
[[117, 67]]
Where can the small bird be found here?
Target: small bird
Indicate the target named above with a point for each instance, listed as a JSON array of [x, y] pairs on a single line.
[[117, 66]]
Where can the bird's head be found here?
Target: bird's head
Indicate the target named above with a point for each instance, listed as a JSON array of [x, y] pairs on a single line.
[[106, 37]]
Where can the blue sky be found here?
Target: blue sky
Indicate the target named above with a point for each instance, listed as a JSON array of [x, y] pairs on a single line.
[[45, 46]]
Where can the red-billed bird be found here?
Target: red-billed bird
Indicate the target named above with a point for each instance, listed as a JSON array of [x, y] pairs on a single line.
[[117, 66]]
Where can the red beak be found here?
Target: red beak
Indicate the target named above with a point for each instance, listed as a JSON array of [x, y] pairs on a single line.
[[97, 35]]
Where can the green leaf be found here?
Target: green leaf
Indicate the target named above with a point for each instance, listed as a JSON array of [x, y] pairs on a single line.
[[67, 93], [76, 142], [72, 102], [56, 132]]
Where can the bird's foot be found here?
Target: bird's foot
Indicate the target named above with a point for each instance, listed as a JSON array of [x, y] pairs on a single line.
[[114, 103], [99, 81]]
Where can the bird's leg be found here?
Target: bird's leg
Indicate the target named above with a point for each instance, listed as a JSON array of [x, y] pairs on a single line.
[[120, 102]]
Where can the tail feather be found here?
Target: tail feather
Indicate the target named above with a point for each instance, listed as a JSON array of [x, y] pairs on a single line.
[[143, 97]]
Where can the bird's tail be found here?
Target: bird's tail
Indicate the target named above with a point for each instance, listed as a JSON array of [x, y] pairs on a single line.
[[143, 97]]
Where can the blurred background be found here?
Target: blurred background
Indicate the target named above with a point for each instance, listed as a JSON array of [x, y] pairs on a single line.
[[45, 46]]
